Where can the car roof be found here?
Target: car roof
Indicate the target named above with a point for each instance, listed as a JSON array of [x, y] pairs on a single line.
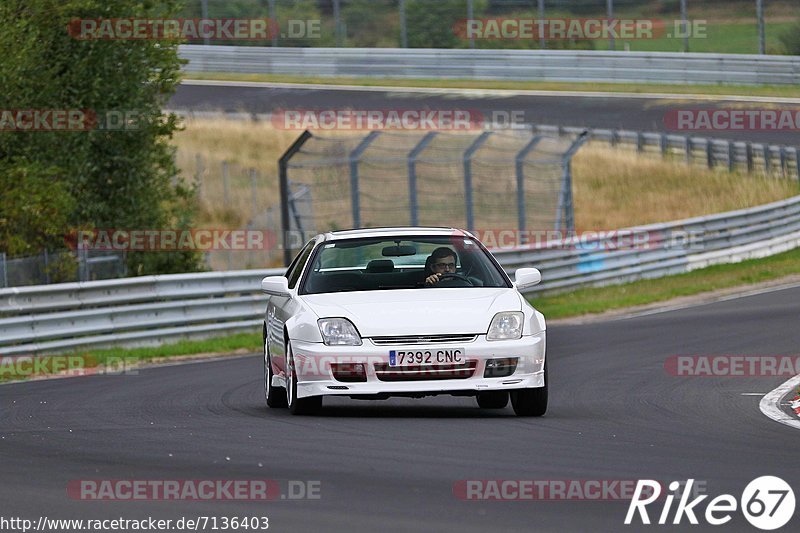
[[389, 232]]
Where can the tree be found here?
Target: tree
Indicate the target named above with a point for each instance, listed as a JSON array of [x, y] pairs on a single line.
[[35, 208], [113, 179], [433, 24]]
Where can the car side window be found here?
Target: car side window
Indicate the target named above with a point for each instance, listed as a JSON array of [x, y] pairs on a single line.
[[293, 274]]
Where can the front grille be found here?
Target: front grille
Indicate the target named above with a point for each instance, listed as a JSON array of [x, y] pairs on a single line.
[[423, 339], [384, 372]]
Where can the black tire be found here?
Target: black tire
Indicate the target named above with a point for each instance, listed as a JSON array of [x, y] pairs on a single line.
[[275, 396], [492, 399], [531, 402], [298, 406]]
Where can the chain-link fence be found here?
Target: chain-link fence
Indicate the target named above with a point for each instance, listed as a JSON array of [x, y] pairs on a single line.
[[725, 26], [61, 267], [479, 181], [235, 197]]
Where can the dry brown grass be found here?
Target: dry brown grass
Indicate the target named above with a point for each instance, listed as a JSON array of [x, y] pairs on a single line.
[[615, 188], [244, 145]]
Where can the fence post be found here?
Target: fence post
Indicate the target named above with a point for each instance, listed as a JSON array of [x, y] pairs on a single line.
[[204, 14], [748, 149], [355, 155], [797, 162], [198, 164], [412, 175], [684, 26], [767, 158], [273, 26], [4, 268], [731, 157], [663, 142], [783, 160], [46, 267], [283, 173], [710, 153], [253, 190], [468, 177], [225, 184], [565, 207], [520, 166], [762, 49], [337, 21], [403, 28], [83, 266], [294, 195], [470, 16], [542, 40], [639, 142], [123, 265], [688, 147]]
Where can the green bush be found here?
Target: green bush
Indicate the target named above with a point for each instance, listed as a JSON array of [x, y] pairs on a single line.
[[432, 24], [371, 24], [791, 40], [35, 207]]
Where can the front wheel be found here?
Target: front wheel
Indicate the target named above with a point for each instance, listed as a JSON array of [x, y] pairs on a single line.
[[298, 406], [531, 402]]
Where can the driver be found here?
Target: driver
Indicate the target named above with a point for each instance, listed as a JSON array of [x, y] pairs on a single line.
[[442, 261]]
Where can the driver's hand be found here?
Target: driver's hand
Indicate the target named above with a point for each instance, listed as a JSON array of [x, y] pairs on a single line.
[[432, 279]]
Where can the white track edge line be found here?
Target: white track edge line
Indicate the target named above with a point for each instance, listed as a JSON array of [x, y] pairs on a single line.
[[770, 404]]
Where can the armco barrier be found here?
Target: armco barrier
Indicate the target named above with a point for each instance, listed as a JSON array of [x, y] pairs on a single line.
[[131, 311], [530, 65], [154, 309]]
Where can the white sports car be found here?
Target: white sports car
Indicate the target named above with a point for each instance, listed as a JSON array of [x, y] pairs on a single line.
[[409, 312]]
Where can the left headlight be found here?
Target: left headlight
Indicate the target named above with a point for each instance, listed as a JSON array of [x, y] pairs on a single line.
[[505, 326], [339, 332]]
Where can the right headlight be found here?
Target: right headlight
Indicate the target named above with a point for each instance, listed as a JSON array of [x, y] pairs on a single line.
[[338, 332], [505, 326]]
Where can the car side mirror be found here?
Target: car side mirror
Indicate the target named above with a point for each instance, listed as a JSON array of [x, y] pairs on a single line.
[[275, 286], [527, 277]]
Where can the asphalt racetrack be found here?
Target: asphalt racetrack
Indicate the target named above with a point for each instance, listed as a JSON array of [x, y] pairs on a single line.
[[631, 113], [615, 414]]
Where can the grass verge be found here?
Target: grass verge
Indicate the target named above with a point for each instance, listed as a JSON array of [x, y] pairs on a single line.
[[122, 360], [436, 83]]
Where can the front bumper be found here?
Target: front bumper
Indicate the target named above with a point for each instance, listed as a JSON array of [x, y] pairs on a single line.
[[315, 377]]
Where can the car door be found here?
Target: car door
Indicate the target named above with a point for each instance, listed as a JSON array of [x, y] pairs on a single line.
[[281, 308]]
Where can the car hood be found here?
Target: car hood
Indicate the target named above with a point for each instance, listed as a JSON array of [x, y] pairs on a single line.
[[416, 311]]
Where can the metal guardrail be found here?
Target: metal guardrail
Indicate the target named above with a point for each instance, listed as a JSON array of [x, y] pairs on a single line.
[[669, 248], [131, 311], [154, 309], [531, 65]]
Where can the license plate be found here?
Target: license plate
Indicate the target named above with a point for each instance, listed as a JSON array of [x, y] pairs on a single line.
[[443, 356]]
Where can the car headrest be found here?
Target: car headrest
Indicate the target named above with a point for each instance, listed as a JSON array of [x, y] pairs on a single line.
[[380, 265]]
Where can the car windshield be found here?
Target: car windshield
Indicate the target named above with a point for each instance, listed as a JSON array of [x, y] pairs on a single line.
[[400, 263]]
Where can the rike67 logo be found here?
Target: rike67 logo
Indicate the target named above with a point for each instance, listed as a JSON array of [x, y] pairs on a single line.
[[767, 503]]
